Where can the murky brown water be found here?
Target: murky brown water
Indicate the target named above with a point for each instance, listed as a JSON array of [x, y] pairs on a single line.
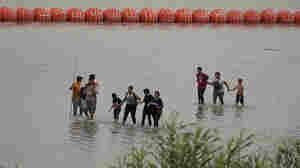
[[37, 64]]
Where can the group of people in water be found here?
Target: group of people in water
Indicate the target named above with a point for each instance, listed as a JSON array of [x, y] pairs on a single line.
[[84, 98], [218, 87]]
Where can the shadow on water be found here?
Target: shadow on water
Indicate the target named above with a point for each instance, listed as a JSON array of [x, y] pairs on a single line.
[[238, 112], [83, 134], [217, 111]]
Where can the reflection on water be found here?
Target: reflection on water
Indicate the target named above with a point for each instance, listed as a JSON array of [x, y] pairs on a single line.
[[83, 134], [217, 110]]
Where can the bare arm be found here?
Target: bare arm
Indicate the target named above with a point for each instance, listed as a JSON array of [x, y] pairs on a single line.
[[234, 88], [227, 86]]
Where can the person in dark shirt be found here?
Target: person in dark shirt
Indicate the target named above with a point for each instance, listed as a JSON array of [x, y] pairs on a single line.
[[131, 99], [116, 105], [218, 88], [83, 102], [156, 106], [146, 112]]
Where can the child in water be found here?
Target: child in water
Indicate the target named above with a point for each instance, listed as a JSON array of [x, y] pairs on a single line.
[[116, 105], [240, 92]]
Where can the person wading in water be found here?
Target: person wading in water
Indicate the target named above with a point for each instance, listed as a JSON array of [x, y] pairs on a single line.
[[116, 105], [218, 88], [146, 112], [202, 84], [91, 96], [156, 107], [132, 100], [76, 86]]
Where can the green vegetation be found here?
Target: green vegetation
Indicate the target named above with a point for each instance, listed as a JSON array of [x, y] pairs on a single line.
[[182, 147]]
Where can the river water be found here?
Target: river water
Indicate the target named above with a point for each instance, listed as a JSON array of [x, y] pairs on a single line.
[[38, 63]]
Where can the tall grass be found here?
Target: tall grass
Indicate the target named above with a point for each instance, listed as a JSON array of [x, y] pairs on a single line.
[[180, 147]]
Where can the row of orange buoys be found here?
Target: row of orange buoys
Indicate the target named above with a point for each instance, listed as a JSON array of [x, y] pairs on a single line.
[[148, 15]]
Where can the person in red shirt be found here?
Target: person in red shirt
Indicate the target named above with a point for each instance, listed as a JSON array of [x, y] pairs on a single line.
[[202, 84]]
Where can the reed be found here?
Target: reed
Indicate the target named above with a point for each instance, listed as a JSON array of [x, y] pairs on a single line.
[[181, 147]]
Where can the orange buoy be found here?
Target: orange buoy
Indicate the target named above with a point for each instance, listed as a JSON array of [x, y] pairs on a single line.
[[297, 17], [200, 16], [36, 11], [166, 15], [234, 16], [285, 16], [184, 15], [112, 15], [251, 16], [41, 15], [268, 16], [57, 14], [7, 14], [217, 16], [130, 15], [93, 15], [24, 15], [148, 15], [75, 15]]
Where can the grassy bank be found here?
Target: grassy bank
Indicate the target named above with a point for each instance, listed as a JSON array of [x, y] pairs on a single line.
[[182, 147]]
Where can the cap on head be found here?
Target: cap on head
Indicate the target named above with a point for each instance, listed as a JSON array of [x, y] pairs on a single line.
[[114, 95], [79, 78], [92, 77], [146, 91]]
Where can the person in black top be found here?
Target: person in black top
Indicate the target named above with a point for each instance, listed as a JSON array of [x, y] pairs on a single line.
[[146, 112], [116, 105], [156, 106], [83, 102], [131, 100]]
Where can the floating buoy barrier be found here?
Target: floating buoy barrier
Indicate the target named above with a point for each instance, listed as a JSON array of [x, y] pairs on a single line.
[[268, 16], [149, 15], [184, 15], [234, 16], [285, 16], [200, 16], [24, 15], [130, 15], [57, 15], [112, 15], [166, 15], [218, 16], [75, 15], [93, 15], [7, 14], [251, 16], [297, 17], [41, 15]]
